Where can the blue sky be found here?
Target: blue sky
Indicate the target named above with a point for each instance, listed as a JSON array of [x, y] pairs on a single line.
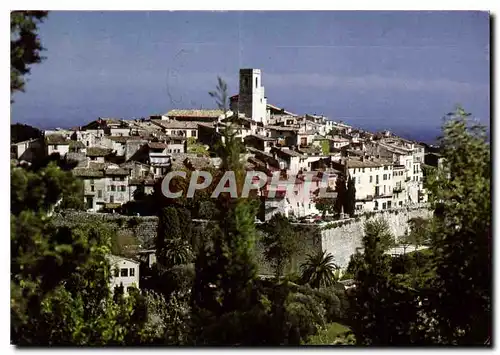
[[395, 70]]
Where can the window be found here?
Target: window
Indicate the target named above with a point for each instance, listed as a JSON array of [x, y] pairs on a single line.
[[371, 178], [256, 83], [132, 271], [124, 272], [99, 193], [92, 188], [376, 179], [122, 178], [363, 170], [113, 188], [124, 188], [55, 146], [88, 143], [383, 206], [385, 167], [385, 176], [193, 133], [389, 204], [400, 203], [111, 199]]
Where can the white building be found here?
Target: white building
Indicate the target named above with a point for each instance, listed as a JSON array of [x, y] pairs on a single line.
[[338, 142], [411, 156], [373, 181], [185, 129], [124, 272], [27, 150], [105, 185], [56, 144]]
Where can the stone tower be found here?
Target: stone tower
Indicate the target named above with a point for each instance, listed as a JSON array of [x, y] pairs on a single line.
[[251, 99]]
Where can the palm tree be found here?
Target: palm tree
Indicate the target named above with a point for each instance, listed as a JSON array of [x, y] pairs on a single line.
[[319, 270], [177, 252]]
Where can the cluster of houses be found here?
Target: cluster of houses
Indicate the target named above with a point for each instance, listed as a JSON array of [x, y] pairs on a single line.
[[117, 158]]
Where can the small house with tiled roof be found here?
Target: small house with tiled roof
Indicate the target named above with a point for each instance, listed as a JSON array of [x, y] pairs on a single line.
[[56, 144]]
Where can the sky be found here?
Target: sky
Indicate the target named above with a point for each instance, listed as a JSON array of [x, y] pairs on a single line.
[[376, 70]]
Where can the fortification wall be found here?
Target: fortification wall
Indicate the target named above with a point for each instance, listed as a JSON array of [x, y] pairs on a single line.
[[343, 238]]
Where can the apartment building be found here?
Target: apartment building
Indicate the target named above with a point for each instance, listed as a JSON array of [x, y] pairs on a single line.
[[373, 180], [106, 186]]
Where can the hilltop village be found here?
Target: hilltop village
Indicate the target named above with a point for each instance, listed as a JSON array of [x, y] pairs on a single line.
[[120, 161], [116, 157]]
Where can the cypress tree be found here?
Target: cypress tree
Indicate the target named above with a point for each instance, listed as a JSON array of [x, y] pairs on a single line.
[[224, 296], [350, 201], [340, 188]]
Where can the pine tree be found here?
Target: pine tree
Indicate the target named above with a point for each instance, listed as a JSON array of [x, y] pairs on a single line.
[[25, 46]]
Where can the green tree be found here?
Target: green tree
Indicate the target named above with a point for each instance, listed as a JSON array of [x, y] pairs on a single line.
[[177, 252], [341, 190], [382, 312], [25, 46], [224, 298], [381, 229], [280, 243], [173, 237], [44, 190], [325, 204], [325, 147], [350, 201], [461, 234], [60, 275], [319, 270], [419, 231]]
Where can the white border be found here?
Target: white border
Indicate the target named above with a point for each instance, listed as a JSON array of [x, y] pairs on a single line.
[[187, 5]]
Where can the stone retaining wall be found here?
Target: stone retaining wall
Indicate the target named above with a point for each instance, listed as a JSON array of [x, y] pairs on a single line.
[[344, 239], [341, 238]]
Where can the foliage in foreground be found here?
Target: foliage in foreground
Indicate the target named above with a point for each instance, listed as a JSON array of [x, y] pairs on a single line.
[[441, 296]]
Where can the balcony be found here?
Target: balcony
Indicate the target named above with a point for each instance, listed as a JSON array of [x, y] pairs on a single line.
[[397, 189]]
